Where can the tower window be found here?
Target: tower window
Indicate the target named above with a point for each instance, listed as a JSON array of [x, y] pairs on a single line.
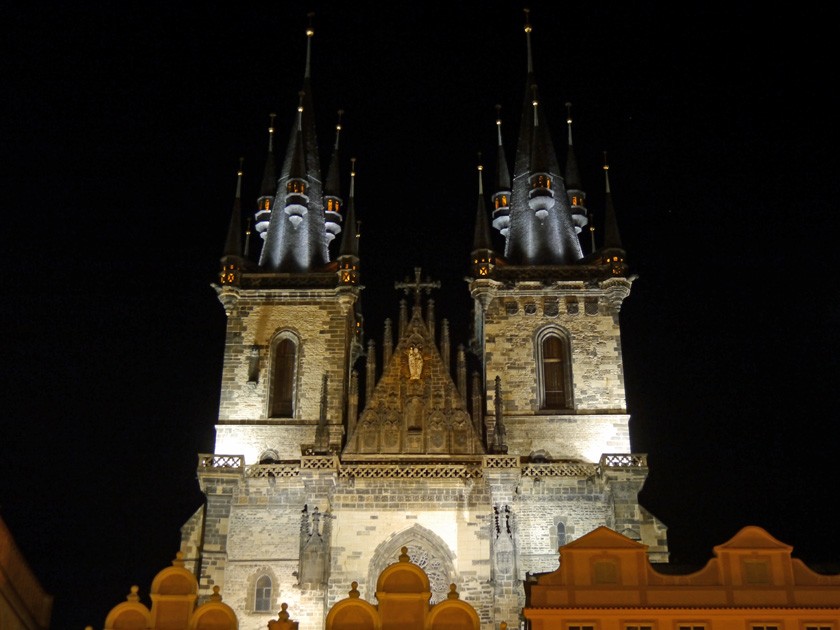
[[283, 379], [553, 359], [262, 595]]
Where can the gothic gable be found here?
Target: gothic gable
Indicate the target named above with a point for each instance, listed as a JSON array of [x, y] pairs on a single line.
[[416, 407]]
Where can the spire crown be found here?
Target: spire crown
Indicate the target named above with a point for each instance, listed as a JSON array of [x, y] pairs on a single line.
[[528, 40], [309, 33]]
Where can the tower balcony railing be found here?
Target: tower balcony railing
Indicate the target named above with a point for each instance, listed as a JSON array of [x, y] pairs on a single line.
[[624, 460], [235, 464]]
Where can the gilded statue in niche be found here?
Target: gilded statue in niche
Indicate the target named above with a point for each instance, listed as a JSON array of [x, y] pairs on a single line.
[[415, 362]]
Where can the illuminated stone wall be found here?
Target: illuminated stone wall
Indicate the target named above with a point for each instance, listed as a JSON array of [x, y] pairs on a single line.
[[318, 321], [598, 422]]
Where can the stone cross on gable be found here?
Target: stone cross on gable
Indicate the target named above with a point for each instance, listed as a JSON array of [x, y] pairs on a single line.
[[418, 286]]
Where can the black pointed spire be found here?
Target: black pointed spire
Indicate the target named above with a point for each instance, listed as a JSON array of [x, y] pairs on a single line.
[[297, 169], [481, 239], [268, 188], [502, 171], [482, 251], [348, 257], [332, 191], [350, 239], [233, 244], [541, 231], [501, 196], [612, 238], [269, 181], [295, 239], [232, 257], [332, 186], [574, 188], [572, 174]]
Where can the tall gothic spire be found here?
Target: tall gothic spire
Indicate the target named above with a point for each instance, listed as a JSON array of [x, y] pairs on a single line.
[[541, 231], [295, 238]]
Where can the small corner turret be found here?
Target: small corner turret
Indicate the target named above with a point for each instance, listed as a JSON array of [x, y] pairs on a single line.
[[483, 257], [574, 189], [232, 259], [612, 252], [348, 255], [332, 190]]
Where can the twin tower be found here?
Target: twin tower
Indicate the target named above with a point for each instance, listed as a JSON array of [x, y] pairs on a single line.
[[333, 451]]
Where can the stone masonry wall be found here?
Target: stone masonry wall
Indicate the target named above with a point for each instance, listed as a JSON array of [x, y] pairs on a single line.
[[251, 440], [511, 322], [323, 329], [583, 437]]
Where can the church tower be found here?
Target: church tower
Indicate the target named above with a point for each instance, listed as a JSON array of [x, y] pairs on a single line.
[[479, 461]]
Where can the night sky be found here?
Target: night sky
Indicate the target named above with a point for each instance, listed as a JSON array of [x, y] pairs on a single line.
[[121, 131]]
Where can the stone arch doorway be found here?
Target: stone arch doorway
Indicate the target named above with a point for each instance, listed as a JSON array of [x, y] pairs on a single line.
[[425, 549]]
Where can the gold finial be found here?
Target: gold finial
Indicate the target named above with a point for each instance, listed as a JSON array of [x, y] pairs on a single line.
[[133, 596], [569, 113], [480, 168], [452, 594], [271, 117], [503, 626], [283, 615], [404, 555], [215, 597], [352, 167], [340, 114], [528, 40], [354, 592], [498, 114], [309, 33], [179, 559], [606, 173], [301, 94], [241, 160]]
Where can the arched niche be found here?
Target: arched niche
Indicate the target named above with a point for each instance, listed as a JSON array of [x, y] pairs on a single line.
[[425, 549]]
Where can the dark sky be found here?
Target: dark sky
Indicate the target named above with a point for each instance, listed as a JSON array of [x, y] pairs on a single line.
[[121, 132]]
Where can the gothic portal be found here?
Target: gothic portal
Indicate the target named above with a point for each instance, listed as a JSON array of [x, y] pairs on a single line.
[[334, 451]]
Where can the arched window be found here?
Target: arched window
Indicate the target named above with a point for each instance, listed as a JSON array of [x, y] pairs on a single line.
[[561, 534], [262, 595], [555, 373], [283, 378]]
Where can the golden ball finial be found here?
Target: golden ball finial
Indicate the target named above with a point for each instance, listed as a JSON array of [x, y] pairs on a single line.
[[527, 20]]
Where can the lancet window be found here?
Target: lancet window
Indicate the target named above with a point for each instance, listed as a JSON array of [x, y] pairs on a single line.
[[283, 377], [555, 370]]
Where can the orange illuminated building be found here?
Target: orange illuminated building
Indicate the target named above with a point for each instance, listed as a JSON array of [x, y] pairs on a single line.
[[605, 582]]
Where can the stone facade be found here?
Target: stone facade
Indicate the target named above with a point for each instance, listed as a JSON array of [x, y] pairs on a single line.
[[325, 466]]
